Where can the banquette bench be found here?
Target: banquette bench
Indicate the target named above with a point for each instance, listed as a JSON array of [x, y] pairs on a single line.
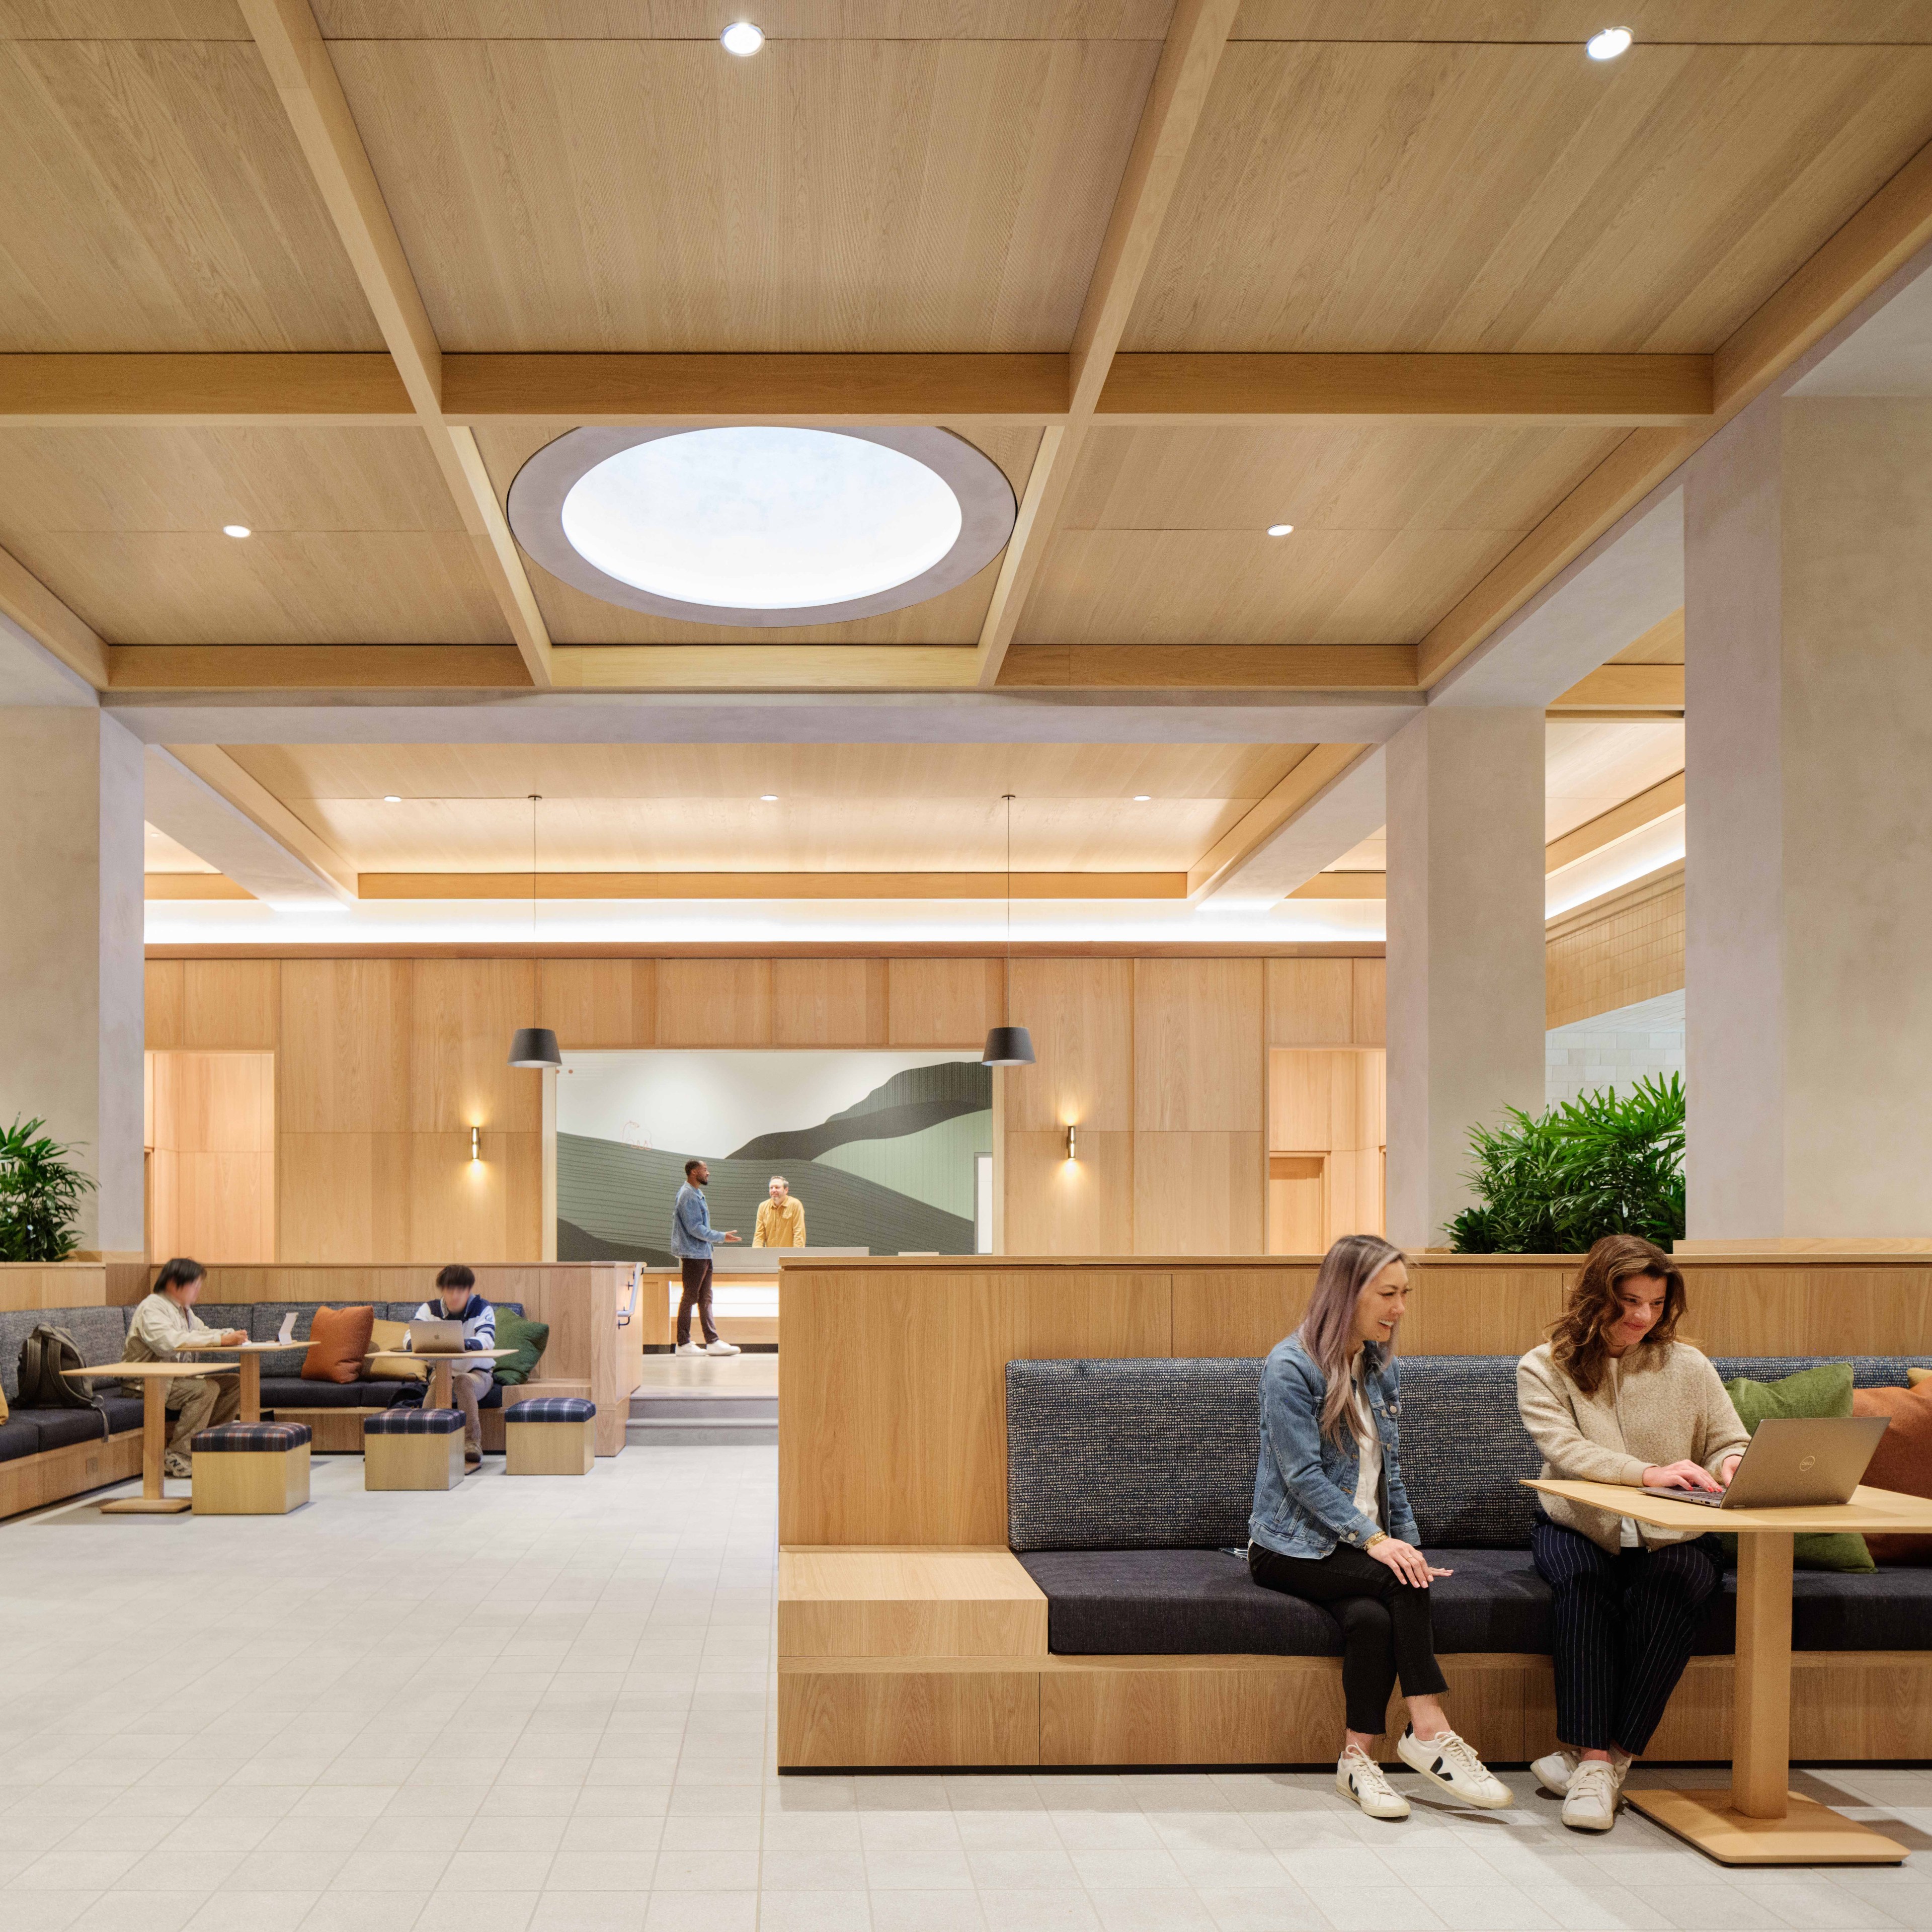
[[48, 1454], [1120, 1627]]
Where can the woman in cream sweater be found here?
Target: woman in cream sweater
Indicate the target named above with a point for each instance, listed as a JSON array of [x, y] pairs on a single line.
[[1613, 1396]]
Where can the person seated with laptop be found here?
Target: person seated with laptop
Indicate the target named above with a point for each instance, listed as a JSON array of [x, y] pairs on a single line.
[[163, 1324], [1614, 1396], [461, 1317]]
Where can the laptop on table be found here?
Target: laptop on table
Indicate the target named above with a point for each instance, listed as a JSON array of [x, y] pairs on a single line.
[[436, 1338], [1793, 1462]]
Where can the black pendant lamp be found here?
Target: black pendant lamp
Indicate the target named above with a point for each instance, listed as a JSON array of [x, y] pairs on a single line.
[[534, 1046], [1008, 1045]]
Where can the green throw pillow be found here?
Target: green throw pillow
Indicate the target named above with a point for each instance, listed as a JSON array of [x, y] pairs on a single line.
[[529, 1339], [1824, 1390]]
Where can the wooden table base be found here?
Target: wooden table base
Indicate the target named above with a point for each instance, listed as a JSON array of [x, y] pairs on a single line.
[[1809, 1833], [147, 1506]]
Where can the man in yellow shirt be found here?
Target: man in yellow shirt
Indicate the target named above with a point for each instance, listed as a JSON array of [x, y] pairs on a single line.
[[781, 1219]]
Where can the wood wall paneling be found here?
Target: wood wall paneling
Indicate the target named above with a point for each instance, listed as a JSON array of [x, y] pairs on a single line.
[[345, 1033], [53, 1284], [230, 1003], [1310, 1002], [1081, 1013], [212, 1165], [829, 1002], [1198, 1051], [598, 1002], [1238, 1311], [944, 1002], [918, 1716], [165, 992], [1633, 951], [1370, 1019], [465, 1012], [1199, 1193], [1297, 1204], [1055, 1206], [714, 1003]]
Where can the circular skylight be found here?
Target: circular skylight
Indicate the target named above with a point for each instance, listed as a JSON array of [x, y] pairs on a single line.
[[764, 519], [760, 525]]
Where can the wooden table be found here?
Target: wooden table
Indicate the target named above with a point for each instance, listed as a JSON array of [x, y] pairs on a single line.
[[152, 1376], [1760, 1820], [250, 1354], [438, 1395]]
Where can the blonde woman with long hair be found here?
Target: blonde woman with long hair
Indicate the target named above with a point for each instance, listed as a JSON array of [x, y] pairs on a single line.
[[1332, 1523]]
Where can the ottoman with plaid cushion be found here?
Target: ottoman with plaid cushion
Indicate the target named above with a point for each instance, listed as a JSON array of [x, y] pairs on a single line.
[[550, 1435], [250, 1468], [412, 1449]]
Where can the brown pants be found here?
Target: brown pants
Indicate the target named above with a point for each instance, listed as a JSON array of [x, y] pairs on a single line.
[[697, 1277], [201, 1404], [467, 1387]]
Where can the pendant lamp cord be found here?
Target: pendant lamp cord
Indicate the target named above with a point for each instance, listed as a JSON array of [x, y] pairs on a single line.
[[1006, 982], [535, 798]]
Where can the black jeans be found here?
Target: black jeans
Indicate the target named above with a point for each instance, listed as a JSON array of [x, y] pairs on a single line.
[[1387, 1628], [696, 1275], [1623, 1627]]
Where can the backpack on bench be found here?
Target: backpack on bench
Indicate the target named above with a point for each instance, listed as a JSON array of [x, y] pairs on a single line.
[[46, 1352]]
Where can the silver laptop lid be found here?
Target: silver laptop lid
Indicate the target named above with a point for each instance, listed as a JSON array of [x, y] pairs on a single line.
[[1793, 1461]]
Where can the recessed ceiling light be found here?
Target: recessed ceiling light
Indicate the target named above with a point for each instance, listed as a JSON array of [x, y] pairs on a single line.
[[1143, 798], [391, 798], [1607, 45], [742, 38], [768, 798], [236, 530], [1281, 529]]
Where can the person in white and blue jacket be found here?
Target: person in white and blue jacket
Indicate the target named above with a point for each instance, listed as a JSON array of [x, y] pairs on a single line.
[[459, 1302]]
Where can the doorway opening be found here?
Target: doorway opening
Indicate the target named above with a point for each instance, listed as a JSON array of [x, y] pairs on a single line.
[[1328, 1146]]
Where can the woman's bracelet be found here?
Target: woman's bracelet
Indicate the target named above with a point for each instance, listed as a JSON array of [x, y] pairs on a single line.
[[1380, 1536]]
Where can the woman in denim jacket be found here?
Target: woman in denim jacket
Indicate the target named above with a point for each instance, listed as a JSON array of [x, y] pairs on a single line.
[[1332, 1523]]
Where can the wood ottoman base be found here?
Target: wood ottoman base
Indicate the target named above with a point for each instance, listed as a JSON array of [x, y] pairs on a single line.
[[413, 1462], [268, 1482], [553, 1435]]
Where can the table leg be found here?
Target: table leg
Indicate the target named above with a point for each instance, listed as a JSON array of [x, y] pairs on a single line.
[[440, 1396], [251, 1387], [154, 1446], [1761, 1820]]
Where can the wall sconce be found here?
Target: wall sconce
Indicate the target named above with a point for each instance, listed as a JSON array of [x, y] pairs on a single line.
[[1071, 1145], [476, 1144]]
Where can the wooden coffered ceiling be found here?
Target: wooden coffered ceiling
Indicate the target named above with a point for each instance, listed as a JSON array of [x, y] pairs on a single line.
[[1413, 275]]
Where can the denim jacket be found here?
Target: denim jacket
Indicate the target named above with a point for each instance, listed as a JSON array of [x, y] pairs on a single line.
[[1305, 1483]]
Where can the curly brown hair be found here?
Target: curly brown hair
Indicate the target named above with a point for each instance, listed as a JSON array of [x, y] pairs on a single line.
[[1578, 1337]]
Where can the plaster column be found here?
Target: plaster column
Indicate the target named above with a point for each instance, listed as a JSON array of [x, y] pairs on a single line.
[[71, 1007], [1466, 964], [1808, 868]]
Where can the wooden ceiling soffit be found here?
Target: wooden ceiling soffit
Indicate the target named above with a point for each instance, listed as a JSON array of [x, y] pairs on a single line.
[[56, 628], [1633, 690], [353, 390], [1182, 667], [305, 81], [772, 885], [1311, 774], [1884, 235], [266, 812], [1197, 36], [134, 667], [1633, 815]]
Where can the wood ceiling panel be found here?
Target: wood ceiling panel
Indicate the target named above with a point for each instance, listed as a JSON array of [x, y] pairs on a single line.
[[575, 617], [1792, 22], [195, 480], [152, 197], [121, 20], [830, 195], [1165, 539], [313, 587], [881, 773], [1514, 198], [781, 19], [1588, 769]]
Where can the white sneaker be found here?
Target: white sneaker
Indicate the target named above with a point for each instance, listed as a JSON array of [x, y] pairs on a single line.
[[1451, 1765], [1596, 1790], [1358, 1776], [689, 1348], [720, 1347], [1554, 1772], [178, 1466]]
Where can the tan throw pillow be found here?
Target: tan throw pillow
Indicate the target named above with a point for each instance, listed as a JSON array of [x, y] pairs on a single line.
[[338, 1339], [1919, 1378], [384, 1363], [3, 1405]]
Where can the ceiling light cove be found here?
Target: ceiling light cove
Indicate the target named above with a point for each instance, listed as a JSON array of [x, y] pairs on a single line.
[[1607, 45], [762, 526]]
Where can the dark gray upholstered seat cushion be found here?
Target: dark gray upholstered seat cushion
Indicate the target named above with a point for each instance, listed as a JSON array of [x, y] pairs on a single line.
[[61, 1428], [1465, 1452], [123, 1412], [19, 1436], [100, 1333], [1203, 1602], [1151, 1455], [280, 1392]]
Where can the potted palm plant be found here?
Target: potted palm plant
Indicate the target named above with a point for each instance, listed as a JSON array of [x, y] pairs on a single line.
[[40, 1195]]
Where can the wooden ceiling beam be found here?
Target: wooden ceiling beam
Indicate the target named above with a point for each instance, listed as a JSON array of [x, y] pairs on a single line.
[[305, 81], [1880, 238], [1197, 36], [1656, 689], [1178, 667], [1633, 815], [772, 885], [1310, 775], [137, 668], [51, 625]]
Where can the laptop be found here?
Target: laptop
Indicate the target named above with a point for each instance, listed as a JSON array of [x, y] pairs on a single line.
[[1792, 1463], [446, 1338]]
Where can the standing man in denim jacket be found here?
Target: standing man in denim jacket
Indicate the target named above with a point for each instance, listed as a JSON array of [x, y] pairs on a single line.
[[691, 1235], [1332, 1524]]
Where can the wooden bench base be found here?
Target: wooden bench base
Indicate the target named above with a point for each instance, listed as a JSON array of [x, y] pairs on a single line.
[[253, 1482], [32, 1482]]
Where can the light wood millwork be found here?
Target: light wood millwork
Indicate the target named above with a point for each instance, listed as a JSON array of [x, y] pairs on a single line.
[[49, 622], [268, 814], [772, 886], [908, 1602], [1197, 37], [1618, 689], [252, 1482], [1312, 775], [153, 1378], [310, 390], [549, 1448], [32, 1482], [830, 1716], [1614, 951], [1255, 666], [413, 1462], [138, 667], [829, 1002], [54, 1285], [212, 1155], [1657, 801]]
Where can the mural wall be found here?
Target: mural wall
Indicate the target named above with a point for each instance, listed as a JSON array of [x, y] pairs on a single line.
[[880, 1147]]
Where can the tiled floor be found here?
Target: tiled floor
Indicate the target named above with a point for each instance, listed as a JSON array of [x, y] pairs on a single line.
[[544, 1704]]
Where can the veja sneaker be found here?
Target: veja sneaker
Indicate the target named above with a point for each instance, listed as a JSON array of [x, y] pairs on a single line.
[[1554, 1772], [1596, 1789], [721, 1348], [1358, 1776], [689, 1349], [1451, 1765]]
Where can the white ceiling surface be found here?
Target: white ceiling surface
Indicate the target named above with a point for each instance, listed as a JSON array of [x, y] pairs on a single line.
[[160, 853], [1887, 352]]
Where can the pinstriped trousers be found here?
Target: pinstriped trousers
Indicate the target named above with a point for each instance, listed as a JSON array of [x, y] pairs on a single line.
[[1624, 1627]]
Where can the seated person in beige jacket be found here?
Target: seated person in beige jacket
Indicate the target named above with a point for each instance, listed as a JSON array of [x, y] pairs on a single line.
[[781, 1222], [161, 1324], [1613, 1396]]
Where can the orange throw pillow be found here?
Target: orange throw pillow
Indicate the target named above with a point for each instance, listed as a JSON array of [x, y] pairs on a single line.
[[338, 1339], [1903, 1462]]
